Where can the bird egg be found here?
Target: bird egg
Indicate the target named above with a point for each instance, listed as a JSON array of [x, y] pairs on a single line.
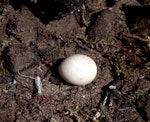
[[78, 69]]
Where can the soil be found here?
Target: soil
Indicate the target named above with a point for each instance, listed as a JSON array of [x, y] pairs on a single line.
[[35, 36]]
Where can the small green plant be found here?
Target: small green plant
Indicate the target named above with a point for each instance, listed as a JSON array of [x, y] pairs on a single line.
[[54, 50], [82, 38], [17, 36], [4, 43], [73, 112], [138, 93], [91, 43], [108, 40]]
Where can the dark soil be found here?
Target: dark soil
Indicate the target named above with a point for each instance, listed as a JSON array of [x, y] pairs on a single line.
[[36, 35]]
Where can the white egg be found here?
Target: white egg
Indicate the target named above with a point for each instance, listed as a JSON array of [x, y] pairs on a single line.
[[78, 69]]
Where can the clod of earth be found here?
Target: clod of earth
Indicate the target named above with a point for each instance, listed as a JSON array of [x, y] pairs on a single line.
[[78, 69]]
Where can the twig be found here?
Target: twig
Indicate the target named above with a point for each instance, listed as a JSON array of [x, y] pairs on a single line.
[[136, 37], [26, 76]]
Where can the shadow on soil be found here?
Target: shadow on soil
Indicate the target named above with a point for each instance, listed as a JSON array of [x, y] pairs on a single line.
[[45, 11]]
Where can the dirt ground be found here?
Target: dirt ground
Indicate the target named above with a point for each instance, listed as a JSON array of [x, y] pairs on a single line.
[[36, 36]]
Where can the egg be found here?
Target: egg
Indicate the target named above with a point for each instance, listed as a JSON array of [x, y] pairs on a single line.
[[78, 69]]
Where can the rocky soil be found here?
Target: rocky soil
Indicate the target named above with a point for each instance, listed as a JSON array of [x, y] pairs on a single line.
[[36, 35]]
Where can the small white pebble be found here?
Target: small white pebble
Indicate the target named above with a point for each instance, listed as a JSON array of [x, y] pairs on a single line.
[[14, 82], [38, 84], [97, 115], [112, 87], [110, 8]]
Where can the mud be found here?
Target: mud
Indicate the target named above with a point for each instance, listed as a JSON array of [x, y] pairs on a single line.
[[34, 38]]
